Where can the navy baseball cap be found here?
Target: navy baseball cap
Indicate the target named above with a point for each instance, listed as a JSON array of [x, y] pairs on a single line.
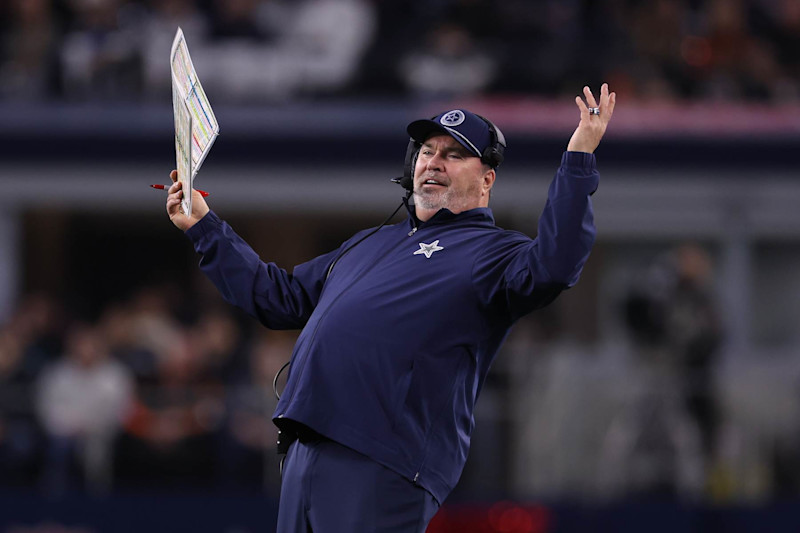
[[467, 128]]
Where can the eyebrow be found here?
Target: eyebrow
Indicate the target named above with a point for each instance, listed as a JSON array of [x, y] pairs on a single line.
[[450, 149]]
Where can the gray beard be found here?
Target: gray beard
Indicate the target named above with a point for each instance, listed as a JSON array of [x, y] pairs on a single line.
[[426, 201], [430, 201]]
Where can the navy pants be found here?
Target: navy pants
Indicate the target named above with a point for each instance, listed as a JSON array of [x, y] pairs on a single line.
[[329, 488]]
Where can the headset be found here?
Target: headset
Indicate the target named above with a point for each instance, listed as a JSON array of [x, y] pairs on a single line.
[[493, 155]]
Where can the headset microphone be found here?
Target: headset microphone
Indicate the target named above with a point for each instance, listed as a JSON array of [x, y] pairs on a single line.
[[406, 181]]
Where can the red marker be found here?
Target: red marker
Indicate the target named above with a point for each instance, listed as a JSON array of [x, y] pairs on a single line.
[[165, 187]]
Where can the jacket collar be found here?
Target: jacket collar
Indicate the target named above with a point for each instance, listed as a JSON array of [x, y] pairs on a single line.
[[444, 215]]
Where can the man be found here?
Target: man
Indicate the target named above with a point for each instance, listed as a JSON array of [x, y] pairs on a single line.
[[401, 323]]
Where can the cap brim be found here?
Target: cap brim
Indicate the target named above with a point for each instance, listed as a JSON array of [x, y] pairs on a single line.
[[420, 130]]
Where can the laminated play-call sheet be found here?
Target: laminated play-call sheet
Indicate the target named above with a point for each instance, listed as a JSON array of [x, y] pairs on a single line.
[[196, 127]]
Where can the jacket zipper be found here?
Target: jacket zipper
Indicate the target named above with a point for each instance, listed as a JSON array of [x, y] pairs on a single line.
[[336, 299]]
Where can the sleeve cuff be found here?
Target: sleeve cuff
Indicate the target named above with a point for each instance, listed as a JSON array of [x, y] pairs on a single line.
[[210, 222], [580, 163]]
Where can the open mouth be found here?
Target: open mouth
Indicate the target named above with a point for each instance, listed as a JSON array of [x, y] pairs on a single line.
[[433, 182]]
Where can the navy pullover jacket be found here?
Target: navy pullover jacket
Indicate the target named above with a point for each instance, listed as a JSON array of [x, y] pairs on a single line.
[[398, 338]]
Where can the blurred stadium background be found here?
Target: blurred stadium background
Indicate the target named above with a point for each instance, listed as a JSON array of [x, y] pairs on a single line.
[[660, 394]]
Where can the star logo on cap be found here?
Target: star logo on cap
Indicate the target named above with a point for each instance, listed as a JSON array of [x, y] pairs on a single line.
[[452, 118], [428, 249]]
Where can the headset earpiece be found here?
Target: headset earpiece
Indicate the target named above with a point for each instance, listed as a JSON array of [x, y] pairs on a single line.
[[494, 154], [407, 180]]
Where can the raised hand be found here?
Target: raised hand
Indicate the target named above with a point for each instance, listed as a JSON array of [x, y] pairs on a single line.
[[592, 126], [176, 215]]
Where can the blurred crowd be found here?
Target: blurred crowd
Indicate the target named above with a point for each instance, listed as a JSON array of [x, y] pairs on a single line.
[[255, 51], [154, 390], [151, 391], [137, 397]]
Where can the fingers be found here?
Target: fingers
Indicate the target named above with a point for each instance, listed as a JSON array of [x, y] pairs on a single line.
[[582, 107], [607, 102], [612, 101], [174, 197], [173, 176], [174, 202], [587, 92]]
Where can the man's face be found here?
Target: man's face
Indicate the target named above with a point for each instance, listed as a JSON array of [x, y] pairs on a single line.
[[450, 176]]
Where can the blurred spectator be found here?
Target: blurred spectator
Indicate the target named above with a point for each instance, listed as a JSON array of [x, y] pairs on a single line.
[[163, 20], [612, 36], [82, 401], [101, 52], [329, 38], [738, 66], [241, 59], [273, 50], [28, 58], [248, 453], [449, 63], [218, 341], [39, 321], [672, 315], [237, 19], [659, 31], [787, 36], [170, 435], [128, 346], [152, 320], [277, 50], [778, 27], [540, 43], [395, 20], [20, 436]]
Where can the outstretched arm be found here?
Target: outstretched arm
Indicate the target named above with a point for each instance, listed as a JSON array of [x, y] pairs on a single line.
[[534, 272], [279, 300]]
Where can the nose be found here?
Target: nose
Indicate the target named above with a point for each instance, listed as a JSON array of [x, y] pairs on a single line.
[[434, 162]]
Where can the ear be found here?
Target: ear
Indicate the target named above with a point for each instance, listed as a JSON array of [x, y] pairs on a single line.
[[488, 180]]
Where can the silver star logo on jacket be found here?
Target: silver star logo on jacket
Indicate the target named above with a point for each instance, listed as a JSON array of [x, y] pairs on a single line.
[[428, 249]]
